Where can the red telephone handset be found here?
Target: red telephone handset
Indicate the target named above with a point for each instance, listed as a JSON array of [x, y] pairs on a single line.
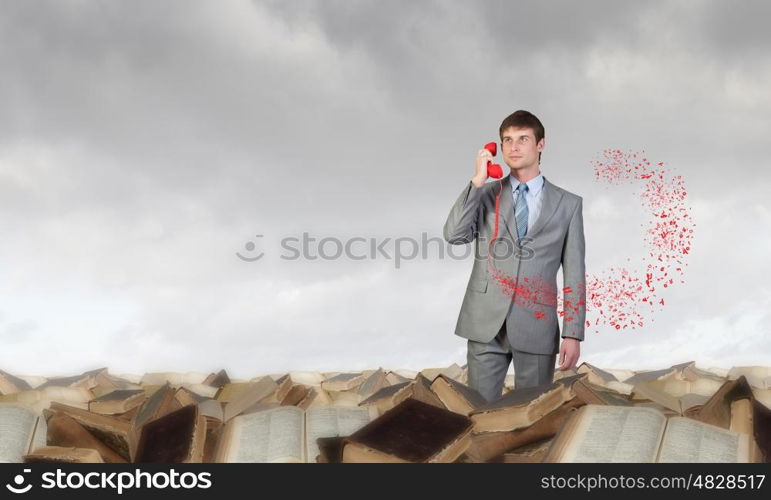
[[494, 170]]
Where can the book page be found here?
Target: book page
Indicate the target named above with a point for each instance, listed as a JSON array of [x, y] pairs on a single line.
[[306, 378], [677, 387], [616, 434], [688, 440], [332, 422], [348, 399], [16, 426], [690, 400], [763, 396], [67, 395], [274, 435], [716, 374], [705, 386], [40, 434], [656, 393], [254, 393], [372, 384], [619, 387], [756, 375], [673, 386], [210, 408]]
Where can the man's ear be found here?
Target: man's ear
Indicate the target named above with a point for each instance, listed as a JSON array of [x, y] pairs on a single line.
[[541, 144]]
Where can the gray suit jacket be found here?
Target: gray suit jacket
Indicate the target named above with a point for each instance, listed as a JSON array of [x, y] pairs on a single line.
[[556, 238]]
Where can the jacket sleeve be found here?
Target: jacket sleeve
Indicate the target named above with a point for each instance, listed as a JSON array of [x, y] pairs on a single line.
[[462, 222], [574, 277]]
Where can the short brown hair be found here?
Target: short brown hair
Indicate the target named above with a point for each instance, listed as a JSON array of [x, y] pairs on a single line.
[[523, 119]]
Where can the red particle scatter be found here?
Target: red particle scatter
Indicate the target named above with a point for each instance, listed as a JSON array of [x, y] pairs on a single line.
[[620, 298], [617, 297]]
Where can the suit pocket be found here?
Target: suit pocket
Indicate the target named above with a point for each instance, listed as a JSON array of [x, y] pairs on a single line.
[[545, 300], [478, 285]]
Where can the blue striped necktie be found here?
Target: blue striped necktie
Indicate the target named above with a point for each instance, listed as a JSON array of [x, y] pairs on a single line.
[[520, 211]]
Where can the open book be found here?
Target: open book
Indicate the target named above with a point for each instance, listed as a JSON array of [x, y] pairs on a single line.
[[21, 430], [287, 433], [678, 393], [521, 408], [412, 431], [643, 435]]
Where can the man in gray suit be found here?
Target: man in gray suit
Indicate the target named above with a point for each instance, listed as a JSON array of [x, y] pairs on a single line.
[[509, 311]]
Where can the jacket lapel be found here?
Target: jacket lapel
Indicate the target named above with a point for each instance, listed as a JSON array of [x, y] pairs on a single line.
[[551, 199], [507, 208]]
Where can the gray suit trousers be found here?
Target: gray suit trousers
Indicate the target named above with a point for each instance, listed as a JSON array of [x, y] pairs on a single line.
[[488, 363]]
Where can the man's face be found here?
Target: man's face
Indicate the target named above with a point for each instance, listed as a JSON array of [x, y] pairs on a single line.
[[520, 149]]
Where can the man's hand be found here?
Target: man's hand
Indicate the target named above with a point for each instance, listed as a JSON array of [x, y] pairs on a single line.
[[570, 350], [480, 167]]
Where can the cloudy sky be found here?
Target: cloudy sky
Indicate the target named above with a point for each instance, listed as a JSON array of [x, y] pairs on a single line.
[[144, 144]]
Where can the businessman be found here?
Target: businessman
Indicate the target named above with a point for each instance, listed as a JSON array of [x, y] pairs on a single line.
[[540, 229]]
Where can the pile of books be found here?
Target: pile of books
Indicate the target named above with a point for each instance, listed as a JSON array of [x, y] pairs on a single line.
[[678, 414]]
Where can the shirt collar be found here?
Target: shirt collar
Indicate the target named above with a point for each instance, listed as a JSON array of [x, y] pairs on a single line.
[[534, 185]]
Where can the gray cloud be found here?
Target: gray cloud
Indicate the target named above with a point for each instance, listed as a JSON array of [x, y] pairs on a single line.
[[141, 146], [18, 332]]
